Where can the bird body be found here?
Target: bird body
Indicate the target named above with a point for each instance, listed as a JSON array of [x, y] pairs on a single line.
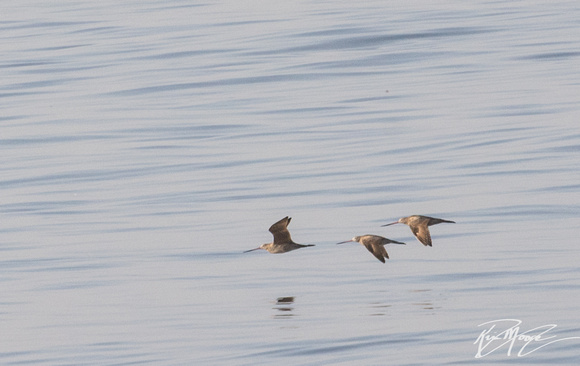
[[282, 241], [374, 244], [420, 226]]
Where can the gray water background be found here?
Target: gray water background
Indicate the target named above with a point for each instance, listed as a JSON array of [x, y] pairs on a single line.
[[146, 144]]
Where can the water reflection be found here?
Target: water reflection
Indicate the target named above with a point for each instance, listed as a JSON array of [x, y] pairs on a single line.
[[379, 308], [284, 307], [425, 303]]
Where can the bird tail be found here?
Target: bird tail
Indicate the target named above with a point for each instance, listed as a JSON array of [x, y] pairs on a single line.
[[396, 242]]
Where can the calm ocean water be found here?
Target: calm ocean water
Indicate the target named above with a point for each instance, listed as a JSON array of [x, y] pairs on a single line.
[[146, 144]]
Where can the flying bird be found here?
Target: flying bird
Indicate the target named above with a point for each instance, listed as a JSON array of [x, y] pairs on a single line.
[[282, 241], [419, 226], [374, 244]]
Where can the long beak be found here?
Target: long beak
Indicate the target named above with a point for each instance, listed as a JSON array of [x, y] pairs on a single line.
[[348, 241], [396, 242], [392, 223], [251, 250]]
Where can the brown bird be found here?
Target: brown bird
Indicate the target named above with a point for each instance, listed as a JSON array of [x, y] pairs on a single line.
[[374, 244], [282, 241], [419, 226]]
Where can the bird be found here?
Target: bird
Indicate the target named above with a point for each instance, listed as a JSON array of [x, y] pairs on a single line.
[[282, 241], [419, 226], [374, 244]]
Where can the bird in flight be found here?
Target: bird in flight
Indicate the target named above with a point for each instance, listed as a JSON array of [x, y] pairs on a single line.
[[420, 226], [282, 241], [374, 244]]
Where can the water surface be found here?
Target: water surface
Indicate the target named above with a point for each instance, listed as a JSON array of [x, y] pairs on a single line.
[[147, 144]]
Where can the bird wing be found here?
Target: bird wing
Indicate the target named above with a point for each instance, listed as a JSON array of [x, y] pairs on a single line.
[[281, 234], [378, 250], [422, 234]]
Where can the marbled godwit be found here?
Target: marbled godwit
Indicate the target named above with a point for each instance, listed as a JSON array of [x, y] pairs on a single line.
[[419, 226], [282, 241], [375, 244]]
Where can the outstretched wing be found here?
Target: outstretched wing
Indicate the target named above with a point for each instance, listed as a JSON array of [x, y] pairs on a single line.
[[280, 232], [374, 245], [422, 234]]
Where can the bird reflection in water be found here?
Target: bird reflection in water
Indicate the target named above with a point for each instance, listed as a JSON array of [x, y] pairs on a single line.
[[428, 302], [284, 307], [379, 308]]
